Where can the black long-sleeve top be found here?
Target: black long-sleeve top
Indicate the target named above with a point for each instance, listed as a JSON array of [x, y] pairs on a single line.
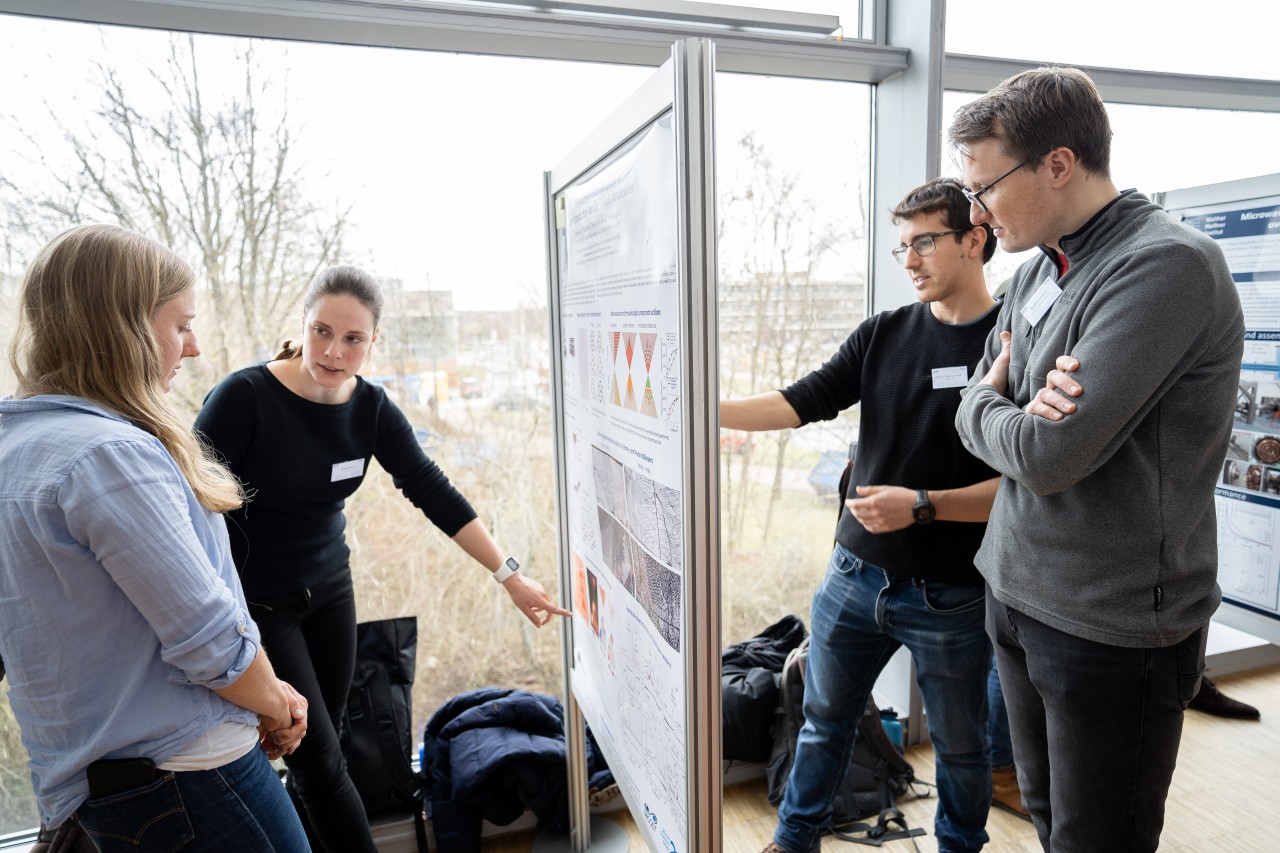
[[907, 435], [299, 461]]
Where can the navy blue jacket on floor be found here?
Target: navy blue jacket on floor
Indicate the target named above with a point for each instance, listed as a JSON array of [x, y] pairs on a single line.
[[490, 753]]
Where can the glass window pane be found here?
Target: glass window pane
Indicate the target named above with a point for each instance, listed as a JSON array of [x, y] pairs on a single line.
[[17, 802], [425, 169], [1168, 148], [792, 189], [1231, 38], [434, 183]]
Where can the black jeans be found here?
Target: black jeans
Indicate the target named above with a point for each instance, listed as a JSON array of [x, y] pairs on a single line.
[[1095, 730], [310, 638]]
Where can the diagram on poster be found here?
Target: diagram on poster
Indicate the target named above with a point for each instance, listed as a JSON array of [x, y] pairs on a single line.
[[622, 386], [617, 363], [1248, 497], [1247, 543], [640, 540]]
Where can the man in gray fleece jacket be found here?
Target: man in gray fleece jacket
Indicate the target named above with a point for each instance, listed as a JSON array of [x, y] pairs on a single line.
[[1105, 399]]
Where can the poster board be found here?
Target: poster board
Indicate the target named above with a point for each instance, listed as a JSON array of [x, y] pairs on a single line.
[[1244, 217], [632, 303]]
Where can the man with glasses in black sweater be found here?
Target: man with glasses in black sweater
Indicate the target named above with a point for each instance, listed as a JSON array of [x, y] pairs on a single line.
[[902, 572]]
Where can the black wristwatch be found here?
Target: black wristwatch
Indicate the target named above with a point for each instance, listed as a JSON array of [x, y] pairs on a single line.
[[923, 511]]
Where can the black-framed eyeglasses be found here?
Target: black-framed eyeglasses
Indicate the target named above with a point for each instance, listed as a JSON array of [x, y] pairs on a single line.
[[975, 196], [924, 244]]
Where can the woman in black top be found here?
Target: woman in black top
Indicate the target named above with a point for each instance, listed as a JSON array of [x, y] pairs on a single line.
[[299, 432]]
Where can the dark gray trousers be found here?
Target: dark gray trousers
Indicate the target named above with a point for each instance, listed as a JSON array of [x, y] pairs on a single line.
[[1095, 730]]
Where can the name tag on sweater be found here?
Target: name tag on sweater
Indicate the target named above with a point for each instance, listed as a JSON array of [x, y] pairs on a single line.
[[950, 377], [1041, 301], [347, 470]]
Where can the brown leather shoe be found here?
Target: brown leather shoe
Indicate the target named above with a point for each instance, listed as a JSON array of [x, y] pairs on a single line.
[[1212, 701], [773, 848], [1005, 792]]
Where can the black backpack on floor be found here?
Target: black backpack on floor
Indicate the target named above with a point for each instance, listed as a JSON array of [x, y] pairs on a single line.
[[749, 673], [377, 735], [877, 772]]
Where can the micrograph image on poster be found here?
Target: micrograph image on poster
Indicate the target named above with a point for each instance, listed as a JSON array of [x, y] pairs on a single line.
[[620, 309], [1248, 497]]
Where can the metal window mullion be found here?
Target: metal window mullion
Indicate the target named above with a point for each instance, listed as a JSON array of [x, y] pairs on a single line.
[[966, 73], [498, 32]]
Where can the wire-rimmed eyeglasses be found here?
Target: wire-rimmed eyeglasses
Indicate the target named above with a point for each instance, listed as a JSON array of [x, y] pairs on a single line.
[[975, 196], [924, 244]]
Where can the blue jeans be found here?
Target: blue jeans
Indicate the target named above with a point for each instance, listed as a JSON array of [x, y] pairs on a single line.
[[860, 616], [239, 806], [1095, 730], [998, 722]]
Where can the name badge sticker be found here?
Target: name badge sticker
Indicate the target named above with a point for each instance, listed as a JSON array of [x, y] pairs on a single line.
[[347, 470], [950, 377], [1041, 301]]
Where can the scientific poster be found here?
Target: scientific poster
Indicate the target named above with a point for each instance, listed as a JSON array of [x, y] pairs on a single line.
[[1248, 496], [617, 239]]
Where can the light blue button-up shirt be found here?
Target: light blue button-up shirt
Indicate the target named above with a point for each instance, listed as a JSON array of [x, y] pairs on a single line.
[[119, 603]]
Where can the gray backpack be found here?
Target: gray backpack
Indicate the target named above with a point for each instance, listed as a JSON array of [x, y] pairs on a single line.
[[877, 772]]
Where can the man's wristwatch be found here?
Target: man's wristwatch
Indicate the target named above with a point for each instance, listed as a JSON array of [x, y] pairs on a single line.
[[508, 568], [923, 511]]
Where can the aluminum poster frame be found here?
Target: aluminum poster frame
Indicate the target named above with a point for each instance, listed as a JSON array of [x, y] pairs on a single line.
[[682, 87]]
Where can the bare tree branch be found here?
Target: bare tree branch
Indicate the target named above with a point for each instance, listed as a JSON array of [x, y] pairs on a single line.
[[206, 169], [776, 312]]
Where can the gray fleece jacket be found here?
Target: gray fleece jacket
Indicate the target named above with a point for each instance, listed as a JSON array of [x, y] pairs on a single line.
[[1104, 525]]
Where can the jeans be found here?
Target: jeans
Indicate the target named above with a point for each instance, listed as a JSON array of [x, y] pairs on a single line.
[[311, 640], [239, 806], [860, 616], [1095, 730], [998, 722]]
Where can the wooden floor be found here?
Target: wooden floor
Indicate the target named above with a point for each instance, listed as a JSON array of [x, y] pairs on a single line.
[[1225, 796]]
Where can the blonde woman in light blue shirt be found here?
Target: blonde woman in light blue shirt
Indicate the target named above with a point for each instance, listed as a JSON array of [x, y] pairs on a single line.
[[146, 703]]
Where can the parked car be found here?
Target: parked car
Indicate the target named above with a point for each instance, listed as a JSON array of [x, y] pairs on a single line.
[[735, 441], [473, 454], [830, 470], [428, 439], [469, 388], [514, 401]]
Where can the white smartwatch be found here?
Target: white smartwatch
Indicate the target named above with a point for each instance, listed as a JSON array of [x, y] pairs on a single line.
[[508, 568]]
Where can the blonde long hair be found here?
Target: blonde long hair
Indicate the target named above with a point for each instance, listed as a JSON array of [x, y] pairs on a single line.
[[85, 330]]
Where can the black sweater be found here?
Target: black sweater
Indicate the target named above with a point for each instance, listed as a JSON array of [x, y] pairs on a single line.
[[299, 461], [907, 435]]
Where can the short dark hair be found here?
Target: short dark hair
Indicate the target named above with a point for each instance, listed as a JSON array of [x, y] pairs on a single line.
[[1036, 111], [943, 195]]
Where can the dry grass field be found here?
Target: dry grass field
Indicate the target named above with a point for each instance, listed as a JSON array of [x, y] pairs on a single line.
[[469, 636]]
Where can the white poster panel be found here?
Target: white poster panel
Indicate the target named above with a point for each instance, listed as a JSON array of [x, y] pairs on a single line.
[[1248, 497], [620, 322]]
